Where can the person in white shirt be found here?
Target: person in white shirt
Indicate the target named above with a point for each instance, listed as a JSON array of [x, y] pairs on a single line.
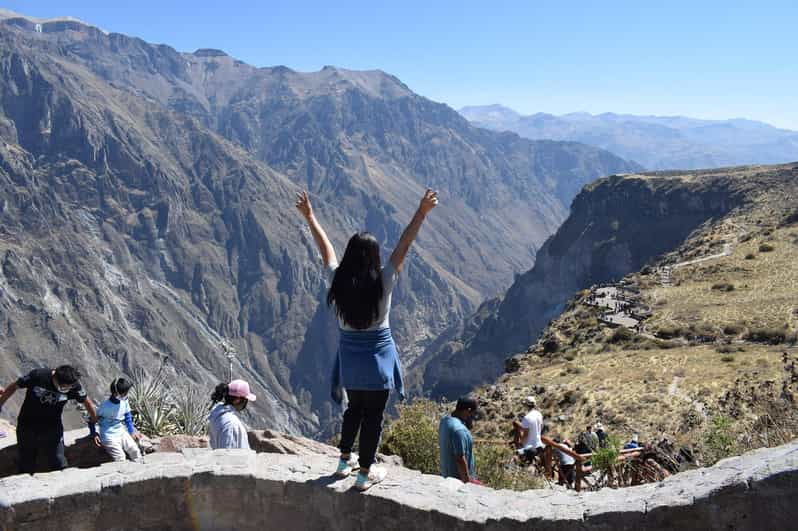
[[528, 431]]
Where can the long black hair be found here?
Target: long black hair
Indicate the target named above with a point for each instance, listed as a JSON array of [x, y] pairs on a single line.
[[357, 286]]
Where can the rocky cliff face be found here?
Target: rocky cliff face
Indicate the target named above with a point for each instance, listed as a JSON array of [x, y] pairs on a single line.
[[617, 225], [146, 209]]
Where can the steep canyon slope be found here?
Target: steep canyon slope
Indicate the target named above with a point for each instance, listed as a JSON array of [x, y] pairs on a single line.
[[146, 209], [617, 225]]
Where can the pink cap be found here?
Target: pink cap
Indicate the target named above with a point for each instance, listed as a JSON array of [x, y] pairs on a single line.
[[240, 389]]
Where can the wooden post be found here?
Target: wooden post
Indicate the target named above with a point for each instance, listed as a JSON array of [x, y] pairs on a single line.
[[547, 462], [579, 475]]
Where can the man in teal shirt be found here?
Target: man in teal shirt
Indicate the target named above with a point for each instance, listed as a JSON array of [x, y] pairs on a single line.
[[455, 441]]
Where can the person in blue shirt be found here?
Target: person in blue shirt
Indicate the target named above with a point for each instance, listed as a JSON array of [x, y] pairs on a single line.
[[632, 444], [455, 442], [367, 364], [118, 435]]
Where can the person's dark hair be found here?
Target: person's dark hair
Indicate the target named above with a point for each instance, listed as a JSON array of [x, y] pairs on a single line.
[[67, 375], [357, 285], [120, 386], [467, 403], [220, 394]]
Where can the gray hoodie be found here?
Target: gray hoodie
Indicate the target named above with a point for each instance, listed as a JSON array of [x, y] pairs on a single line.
[[226, 430]]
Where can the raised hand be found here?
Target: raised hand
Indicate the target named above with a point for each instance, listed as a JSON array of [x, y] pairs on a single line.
[[429, 201], [303, 205]]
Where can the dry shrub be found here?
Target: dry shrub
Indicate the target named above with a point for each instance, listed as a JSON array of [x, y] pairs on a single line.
[[723, 286], [772, 336]]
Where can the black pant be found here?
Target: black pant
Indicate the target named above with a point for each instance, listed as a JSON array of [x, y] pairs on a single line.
[[568, 474], [364, 413], [49, 441]]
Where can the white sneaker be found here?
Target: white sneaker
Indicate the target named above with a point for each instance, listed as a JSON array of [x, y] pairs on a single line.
[[375, 475], [346, 468]]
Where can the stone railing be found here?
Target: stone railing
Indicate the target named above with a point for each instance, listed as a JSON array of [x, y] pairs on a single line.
[[242, 490]]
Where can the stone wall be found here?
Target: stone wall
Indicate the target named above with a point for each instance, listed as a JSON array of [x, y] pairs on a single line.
[[243, 490]]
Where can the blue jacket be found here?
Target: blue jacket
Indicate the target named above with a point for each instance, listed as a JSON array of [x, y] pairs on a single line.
[[366, 361]]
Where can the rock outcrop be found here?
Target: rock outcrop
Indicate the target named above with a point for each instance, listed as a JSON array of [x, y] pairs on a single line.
[[617, 225], [236, 489]]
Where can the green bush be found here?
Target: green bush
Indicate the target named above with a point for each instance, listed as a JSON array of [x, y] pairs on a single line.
[[604, 458], [719, 441], [496, 469], [750, 256], [413, 436]]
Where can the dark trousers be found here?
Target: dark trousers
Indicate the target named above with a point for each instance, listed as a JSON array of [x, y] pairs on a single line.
[[567, 474], [49, 441], [364, 414]]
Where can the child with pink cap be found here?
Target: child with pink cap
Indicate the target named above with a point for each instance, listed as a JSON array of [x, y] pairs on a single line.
[[226, 430]]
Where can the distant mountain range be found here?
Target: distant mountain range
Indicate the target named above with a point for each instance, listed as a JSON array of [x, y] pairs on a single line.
[[656, 142], [146, 210]]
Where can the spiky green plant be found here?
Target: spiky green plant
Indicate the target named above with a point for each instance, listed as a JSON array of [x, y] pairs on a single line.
[[152, 404], [190, 411]]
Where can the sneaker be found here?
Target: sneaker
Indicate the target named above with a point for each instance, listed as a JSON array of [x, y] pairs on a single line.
[[366, 481], [346, 467]]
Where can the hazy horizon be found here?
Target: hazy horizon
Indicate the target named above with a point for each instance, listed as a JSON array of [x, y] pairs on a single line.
[[710, 61]]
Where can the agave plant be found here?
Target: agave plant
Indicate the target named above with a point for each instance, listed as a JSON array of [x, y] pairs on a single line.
[[190, 413], [152, 404]]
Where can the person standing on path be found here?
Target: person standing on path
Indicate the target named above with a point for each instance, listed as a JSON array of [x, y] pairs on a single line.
[[225, 429], [529, 431], [367, 364], [39, 424], [455, 442]]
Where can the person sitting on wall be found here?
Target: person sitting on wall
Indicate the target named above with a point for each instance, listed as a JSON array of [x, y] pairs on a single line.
[[455, 443], [225, 429], [39, 425], [529, 430], [118, 435]]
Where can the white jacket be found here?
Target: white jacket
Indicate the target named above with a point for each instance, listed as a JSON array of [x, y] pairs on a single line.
[[225, 429]]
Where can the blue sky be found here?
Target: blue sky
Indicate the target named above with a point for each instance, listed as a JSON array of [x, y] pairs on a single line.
[[705, 59]]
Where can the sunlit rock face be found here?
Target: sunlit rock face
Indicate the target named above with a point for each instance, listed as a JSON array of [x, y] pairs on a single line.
[[617, 225]]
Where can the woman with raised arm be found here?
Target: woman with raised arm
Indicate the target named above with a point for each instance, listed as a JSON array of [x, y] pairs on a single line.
[[367, 363]]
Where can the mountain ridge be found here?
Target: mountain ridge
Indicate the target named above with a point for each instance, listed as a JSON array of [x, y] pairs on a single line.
[[656, 142]]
